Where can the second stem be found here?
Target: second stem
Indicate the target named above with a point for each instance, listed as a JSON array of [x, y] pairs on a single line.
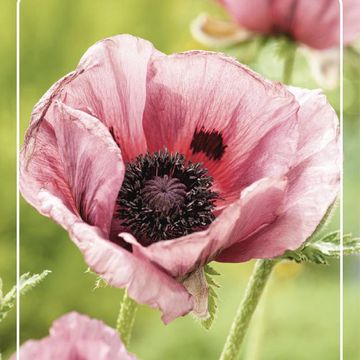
[[126, 318], [254, 289], [289, 64]]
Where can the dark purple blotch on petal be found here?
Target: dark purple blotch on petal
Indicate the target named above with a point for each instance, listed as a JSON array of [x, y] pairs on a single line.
[[210, 143]]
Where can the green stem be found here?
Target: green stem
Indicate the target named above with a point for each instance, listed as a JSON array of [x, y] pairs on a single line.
[[126, 319], [289, 64], [255, 335], [254, 289]]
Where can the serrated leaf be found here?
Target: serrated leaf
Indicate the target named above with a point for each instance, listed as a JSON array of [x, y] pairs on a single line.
[[210, 270], [212, 296], [351, 245], [212, 282], [322, 250], [26, 282], [330, 245]]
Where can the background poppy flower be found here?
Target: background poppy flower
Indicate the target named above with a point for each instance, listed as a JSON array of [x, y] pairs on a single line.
[[315, 25], [157, 165], [76, 336]]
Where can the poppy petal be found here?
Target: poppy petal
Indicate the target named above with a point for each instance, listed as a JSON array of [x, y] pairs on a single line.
[[75, 158], [216, 111], [145, 283], [313, 184]]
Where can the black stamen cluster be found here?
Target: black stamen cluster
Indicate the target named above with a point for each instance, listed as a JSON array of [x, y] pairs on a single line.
[[163, 196]]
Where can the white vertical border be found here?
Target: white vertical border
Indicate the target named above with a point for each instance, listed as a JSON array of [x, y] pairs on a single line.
[[341, 70], [17, 179]]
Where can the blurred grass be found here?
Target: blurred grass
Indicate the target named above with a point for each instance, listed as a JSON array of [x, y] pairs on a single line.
[[302, 309], [7, 163], [351, 202]]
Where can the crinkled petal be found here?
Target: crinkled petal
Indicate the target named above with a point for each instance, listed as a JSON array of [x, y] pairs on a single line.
[[313, 184], [75, 158], [72, 172], [110, 84], [145, 283], [218, 33], [272, 157], [258, 206], [75, 336], [204, 91]]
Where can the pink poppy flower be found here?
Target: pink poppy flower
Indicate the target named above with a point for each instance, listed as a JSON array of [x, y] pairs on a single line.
[[157, 165], [315, 25], [75, 336]]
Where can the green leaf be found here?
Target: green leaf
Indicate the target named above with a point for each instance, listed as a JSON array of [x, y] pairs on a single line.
[[323, 249], [26, 282], [210, 270], [351, 245], [212, 297]]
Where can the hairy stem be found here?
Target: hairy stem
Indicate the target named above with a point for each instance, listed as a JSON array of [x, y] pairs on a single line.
[[254, 289], [126, 319], [257, 329]]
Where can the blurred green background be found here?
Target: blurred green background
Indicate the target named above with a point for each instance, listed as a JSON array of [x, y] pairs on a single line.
[[300, 317], [7, 164]]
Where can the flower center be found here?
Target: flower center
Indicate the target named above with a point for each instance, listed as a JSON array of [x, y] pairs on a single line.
[[163, 197], [163, 193]]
